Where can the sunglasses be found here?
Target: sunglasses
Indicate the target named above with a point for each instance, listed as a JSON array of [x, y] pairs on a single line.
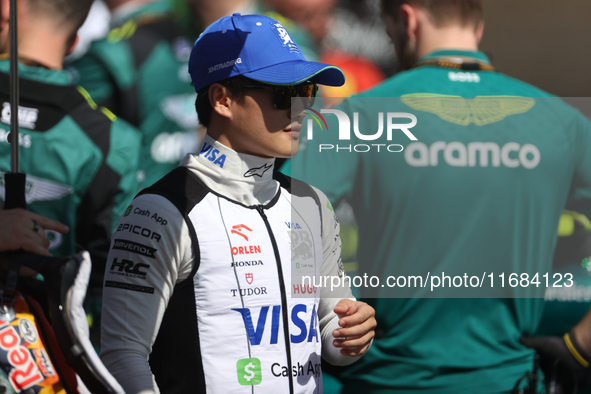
[[282, 94]]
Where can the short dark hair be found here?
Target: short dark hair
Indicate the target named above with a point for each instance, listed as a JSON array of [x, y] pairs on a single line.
[[70, 14], [441, 12], [235, 85]]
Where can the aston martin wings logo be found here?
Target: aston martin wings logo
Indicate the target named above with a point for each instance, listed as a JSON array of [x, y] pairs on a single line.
[[481, 110], [258, 171], [39, 189]]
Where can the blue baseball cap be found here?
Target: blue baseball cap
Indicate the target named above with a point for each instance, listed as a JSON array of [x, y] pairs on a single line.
[[257, 47]]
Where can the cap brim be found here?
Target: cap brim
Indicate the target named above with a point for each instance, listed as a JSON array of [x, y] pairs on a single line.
[[296, 72]]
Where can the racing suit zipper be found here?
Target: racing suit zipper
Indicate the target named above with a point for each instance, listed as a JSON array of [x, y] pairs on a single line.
[[284, 310]]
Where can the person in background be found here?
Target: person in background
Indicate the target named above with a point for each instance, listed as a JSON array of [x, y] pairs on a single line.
[[80, 160], [139, 72], [451, 200], [317, 17]]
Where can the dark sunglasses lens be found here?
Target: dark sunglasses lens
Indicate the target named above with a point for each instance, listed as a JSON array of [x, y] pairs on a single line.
[[308, 93], [283, 95]]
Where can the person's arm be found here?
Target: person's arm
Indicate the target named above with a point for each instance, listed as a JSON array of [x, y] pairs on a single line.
[[147, 258], [21, 229], [582, 331], [346, 325], [568, 357]]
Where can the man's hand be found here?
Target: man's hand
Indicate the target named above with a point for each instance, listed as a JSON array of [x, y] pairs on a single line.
[[357, 323], [21, 229], [562, 359]]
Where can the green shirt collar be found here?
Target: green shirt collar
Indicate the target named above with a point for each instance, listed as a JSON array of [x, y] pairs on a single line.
[[456, 53], [40, 74]]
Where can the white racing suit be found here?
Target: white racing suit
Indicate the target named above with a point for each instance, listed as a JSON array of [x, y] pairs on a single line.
[[203, 286]]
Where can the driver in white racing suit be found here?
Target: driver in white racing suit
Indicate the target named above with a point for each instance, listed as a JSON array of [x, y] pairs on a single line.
[[205, 286]]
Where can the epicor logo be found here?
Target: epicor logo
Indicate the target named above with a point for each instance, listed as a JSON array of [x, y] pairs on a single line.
[[308, 329], [249, 371], [237, 229], [139, 230], [345, 130], [512, 155]]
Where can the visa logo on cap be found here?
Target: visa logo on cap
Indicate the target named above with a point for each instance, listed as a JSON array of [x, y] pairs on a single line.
[[284, 37]]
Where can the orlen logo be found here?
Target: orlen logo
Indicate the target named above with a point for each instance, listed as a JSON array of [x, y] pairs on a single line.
[[251, 249], [308, 330], [483, 154], [237, 229], [345, 130]]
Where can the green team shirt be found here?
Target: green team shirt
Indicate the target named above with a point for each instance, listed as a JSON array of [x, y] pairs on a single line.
[[140, 72], [482, 187], [80, 161]]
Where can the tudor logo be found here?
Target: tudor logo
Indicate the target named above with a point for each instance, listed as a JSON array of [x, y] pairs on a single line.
[[249, 278], [237, 229]]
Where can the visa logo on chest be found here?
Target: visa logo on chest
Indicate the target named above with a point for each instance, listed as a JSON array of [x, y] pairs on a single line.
[[212, 155], [308, 330]]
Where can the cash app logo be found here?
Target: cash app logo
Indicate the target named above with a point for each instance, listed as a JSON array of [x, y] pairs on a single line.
[[128, 210], [249, 371]]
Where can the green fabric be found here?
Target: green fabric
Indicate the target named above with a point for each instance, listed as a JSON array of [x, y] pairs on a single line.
[[156, 96], [39, 74], [453, 215], [65, 159]]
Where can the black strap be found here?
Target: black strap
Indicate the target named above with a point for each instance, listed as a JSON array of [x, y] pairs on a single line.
[[53, 101], [183, 189]]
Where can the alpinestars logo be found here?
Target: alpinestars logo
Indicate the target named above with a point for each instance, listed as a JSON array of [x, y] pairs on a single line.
[[258, 171], [237, 229]]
